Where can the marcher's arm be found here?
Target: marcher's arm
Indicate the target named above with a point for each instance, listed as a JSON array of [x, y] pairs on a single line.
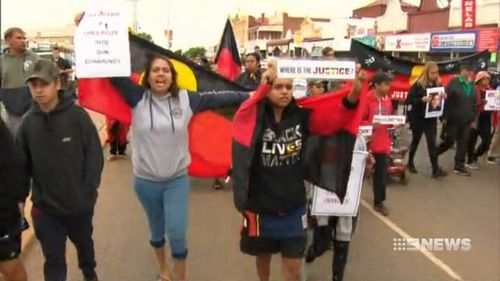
[[22, 145], [208, 101], [415, 95], [130, 91], [93, 157]]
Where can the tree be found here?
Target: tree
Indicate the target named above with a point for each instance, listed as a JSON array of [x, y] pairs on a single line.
[[179, 52], [195, 51], [145, 36]]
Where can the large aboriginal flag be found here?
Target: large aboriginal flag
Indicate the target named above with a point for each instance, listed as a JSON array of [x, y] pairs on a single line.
[[228, 58], [209, 133], [406, 72]]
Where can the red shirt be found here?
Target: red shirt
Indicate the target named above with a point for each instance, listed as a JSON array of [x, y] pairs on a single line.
[[381, 139]]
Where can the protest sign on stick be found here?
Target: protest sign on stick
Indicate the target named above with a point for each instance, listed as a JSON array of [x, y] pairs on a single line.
[[316, 69], [101, 43]]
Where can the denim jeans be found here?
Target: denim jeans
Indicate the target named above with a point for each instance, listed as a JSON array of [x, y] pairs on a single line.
[[166, 206]]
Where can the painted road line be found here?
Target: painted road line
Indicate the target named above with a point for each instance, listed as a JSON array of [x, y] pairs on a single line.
[[439, 263]]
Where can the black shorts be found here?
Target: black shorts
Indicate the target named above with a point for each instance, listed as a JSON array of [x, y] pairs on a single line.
[[292, 248], [10, 248]]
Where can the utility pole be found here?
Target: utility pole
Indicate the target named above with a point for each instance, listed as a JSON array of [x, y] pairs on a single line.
[[135, 21]]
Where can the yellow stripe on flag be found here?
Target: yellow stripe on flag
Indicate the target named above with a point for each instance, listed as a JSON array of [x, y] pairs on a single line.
[[415, 72], [185, 76]]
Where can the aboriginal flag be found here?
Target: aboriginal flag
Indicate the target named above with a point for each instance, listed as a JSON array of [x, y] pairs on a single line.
[[228, 58], [406, 72], [209, 133]]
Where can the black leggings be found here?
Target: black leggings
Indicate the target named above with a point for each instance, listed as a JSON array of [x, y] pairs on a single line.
[[429, 128], [483, 131]]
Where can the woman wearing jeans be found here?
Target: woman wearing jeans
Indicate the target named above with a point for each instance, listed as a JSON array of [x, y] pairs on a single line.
[[160, 157]]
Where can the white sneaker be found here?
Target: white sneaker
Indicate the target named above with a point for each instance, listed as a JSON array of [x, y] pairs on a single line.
[[472, 166], [112, 157]]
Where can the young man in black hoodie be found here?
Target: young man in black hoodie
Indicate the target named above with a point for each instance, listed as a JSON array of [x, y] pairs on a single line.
[[13, 192], [459, 114], [64, 162]]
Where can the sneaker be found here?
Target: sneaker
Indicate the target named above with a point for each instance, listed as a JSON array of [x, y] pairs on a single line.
[[112, 157], [122, 155], [440, 173], [492, 160], [461, 171], [380, 208], [472, 166], [412, 169]]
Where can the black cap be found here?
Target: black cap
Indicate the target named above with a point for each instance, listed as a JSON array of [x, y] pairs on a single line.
[[44, 70], [380, 77]]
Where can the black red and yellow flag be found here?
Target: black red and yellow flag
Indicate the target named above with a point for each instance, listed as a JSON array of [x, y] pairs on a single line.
[[210, 133], [228, 57], [406, 72]]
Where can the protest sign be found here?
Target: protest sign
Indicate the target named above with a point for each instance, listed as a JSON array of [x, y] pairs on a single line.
[[326, 203], [435, 105], [492, 100], [316, 69], [389, 119], [102, 43]]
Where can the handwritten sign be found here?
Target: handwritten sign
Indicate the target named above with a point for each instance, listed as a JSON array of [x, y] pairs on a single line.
[[326, 203], [366, 131], [492, 100], [316, 69], [435, 106], [101, 43], [389, 119]]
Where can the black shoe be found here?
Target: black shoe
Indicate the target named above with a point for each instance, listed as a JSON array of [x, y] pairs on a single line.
[[462, 171], [380, 208], [90, 277], [439, 173], [310, 254], [217, 184], [412, 169]]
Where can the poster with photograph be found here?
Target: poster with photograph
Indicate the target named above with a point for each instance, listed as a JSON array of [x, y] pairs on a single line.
[[492, 100], [435, 105]]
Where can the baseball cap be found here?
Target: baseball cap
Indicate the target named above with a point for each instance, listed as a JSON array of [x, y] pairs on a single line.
[[380, 77], [44, 70], [482, 74]]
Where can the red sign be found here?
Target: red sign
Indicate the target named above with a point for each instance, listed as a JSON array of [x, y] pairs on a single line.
[[488, 39], [468, 14]]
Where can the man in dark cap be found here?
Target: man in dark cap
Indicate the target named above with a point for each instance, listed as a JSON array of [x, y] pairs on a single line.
[[459, 114]]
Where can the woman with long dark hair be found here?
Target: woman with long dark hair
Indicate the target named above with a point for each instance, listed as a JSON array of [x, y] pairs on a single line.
[[160, 157], [417, 101]]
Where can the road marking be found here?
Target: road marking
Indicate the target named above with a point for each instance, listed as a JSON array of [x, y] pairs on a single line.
[[439, 263]]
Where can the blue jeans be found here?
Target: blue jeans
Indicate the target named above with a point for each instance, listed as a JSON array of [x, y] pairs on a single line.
[[166, 206]]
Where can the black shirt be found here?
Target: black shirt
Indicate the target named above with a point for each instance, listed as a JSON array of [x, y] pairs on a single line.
[[249, 80], [277, 174]]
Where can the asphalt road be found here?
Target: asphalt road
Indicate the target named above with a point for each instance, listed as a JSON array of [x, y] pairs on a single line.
[[454, 207]]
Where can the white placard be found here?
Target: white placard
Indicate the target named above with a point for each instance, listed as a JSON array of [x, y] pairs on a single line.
[[389, 119], [299, 89], [316, 69], [102, 47], [365, 131], [326, 203], [435, 106], [492, 100]]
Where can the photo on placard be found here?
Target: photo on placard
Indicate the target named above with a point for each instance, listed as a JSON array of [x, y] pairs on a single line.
[[492, 100], [435, 105]]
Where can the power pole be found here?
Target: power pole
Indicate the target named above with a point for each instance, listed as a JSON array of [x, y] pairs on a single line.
[[135, 21]]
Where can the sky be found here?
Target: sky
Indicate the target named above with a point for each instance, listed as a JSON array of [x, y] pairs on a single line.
[[194, 22]]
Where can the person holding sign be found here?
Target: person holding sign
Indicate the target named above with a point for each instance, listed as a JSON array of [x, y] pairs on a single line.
[[270, 131], [484, 122], [379, 103], [459, 115], [417, 101]]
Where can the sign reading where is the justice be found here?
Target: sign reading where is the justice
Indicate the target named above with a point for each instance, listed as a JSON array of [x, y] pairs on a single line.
[[316, 69], [102, 46]]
